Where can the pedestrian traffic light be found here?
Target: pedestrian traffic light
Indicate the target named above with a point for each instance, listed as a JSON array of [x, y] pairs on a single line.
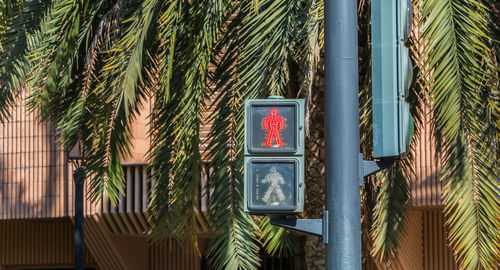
[[391, 77], [274, 156]]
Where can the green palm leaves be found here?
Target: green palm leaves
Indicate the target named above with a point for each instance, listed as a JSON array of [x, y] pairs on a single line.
[[389, 211], [458, 67], [90, 66], [16, 25]]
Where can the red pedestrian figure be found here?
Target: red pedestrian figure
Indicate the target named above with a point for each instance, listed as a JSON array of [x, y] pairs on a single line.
[[273, 123]]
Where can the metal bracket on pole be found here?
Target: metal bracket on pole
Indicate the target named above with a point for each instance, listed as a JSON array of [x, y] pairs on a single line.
[[317, 227], [369, 167]]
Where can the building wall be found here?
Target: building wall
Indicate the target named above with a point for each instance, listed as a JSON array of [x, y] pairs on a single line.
[[424, 245], [49, 244], [38, 243], [33, 170], [169, 255], [437, 253], [410, 253], [425, 185], [139, 131], [36, 182]]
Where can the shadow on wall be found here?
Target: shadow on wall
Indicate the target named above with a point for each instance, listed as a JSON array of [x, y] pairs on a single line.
[[33, 170]]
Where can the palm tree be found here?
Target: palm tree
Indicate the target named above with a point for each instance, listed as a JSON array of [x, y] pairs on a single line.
[[88, 66]]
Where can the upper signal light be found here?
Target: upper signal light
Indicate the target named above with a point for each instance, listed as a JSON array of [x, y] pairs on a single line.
[[274, 126]]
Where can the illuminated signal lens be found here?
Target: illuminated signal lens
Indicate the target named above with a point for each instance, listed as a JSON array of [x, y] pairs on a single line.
[[273, 124], [273, 128]]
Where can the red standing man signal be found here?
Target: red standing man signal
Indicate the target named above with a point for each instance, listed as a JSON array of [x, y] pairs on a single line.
[[273, 123]]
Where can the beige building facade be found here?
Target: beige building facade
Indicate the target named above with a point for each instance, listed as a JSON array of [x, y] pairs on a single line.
[[37, 197]]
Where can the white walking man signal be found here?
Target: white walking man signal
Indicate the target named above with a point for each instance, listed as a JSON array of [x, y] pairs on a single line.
[[275, 181]]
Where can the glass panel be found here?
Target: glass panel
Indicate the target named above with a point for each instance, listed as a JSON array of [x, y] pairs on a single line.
[[273, 185], [273, 128]]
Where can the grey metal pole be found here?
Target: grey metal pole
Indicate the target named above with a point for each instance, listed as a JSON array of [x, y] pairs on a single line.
[[79, 245], [342, 136]]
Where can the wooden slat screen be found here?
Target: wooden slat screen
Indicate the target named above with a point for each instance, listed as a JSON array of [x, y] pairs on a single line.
[[38, 242], [437, 253], [99, 242], [169, 255], [410, 253], [423, 244], [130, 215], [33, 178], [426, 187]]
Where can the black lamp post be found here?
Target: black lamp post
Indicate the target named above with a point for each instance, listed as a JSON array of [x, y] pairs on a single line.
[[76, 156]]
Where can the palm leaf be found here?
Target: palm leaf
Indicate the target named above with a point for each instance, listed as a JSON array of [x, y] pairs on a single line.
[[276, 240], [457, 64], [267, 39], [53, 57], [15, 27], [188, 34], [118, 85], [125, 61], [393, 199], [235, 243]]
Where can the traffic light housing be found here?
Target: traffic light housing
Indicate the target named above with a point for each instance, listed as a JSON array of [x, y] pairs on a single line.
[[274, 156], [391, 77]]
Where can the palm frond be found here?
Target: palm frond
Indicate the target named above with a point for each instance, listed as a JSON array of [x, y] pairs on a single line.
[[56, 91], [393, 199], [457, 64], [276, 240], [161, 154], [16, 25], [309, 44], [116, 97], [8, 9], [235, 243], [125, 61], [54, 57], [101, 41], [317, 18], [268, 39], [189, 32], [365, 91]]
